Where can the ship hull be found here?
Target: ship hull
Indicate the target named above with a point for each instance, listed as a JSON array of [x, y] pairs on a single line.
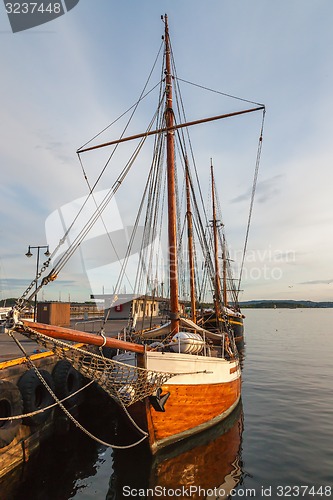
[[206, 393], [213, 457], [235, 322], [237, 325]]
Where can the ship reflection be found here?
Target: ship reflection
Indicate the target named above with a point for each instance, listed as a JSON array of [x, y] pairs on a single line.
[[207, 465], [74, 466]]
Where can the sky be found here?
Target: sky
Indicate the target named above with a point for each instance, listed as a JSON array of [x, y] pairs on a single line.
[[65, 80]]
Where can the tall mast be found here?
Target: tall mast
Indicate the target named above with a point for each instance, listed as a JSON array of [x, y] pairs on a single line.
[[190, 243], [217, 285], [224, 260], [172, 219]]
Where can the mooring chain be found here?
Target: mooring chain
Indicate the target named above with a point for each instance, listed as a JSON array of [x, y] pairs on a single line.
[[21, 301]]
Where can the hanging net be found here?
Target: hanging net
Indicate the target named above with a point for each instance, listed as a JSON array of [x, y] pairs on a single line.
[[124, 383]]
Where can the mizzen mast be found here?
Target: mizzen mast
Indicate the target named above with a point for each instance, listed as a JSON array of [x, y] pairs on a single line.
[[217, 284], [190, 243], [225, 283], [172, 209]]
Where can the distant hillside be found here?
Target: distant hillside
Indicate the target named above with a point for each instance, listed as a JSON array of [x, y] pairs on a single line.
[[250, 304], [289, 304]]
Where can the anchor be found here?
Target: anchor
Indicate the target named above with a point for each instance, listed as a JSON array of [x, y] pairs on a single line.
[[158, 401]]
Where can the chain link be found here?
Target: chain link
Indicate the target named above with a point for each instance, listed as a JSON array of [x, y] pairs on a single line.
[[22, 301]]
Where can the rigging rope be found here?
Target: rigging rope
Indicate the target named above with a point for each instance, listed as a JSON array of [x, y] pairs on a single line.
[[181, 111], [181, 138], [254, 185], [135, 227], [22, 301], [135, 105], [219, 92]]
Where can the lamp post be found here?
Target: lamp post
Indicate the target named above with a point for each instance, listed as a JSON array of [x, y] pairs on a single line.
[[29, 254]]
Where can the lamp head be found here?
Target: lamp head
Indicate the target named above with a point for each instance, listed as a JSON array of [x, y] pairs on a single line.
[[28, 254]]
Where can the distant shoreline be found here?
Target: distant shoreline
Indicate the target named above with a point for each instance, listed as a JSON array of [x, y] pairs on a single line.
[[249, 304], [284, 304]]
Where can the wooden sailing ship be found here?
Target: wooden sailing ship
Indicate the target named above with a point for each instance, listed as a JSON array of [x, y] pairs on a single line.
[[179, 378]]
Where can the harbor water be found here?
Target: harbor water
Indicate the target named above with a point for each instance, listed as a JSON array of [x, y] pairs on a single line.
[[277, 444]]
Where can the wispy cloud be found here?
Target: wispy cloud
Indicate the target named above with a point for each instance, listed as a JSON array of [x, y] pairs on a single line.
[[265, 190], [317, 282]]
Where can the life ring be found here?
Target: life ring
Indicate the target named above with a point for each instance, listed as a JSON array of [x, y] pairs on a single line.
[[67, 380], [36, 396], [10, 405]]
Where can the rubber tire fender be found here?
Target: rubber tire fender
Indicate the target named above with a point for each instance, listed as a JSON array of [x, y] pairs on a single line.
[[67, 380], [10, 404], [36, 396]]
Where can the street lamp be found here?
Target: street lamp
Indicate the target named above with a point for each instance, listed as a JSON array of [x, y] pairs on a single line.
[[29, 254]]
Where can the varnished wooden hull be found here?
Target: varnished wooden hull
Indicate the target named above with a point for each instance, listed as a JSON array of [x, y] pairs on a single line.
[[208, 460], [190, 410], [196, 401], [213, 459]]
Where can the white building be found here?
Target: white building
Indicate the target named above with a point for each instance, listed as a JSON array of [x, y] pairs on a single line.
[[122, 306]]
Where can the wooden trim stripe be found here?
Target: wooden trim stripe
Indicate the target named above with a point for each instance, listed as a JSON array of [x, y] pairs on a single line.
[[234, 369]]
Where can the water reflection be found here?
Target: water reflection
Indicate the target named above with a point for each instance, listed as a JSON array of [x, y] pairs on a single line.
[[210, 461], [74, 466], [55, 473], [61, 466]]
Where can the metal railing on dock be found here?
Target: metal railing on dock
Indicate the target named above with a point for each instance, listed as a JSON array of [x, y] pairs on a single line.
[[92, 326]]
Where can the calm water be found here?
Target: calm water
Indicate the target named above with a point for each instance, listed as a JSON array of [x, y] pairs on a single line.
[[281, 437]]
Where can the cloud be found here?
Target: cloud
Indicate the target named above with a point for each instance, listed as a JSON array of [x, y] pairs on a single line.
[[59, 150], [265, 190], [317, 282]]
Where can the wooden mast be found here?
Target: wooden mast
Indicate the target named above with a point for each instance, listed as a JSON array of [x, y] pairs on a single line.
[[224, 260], [190, 243], [172, 209], [217, 285]]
